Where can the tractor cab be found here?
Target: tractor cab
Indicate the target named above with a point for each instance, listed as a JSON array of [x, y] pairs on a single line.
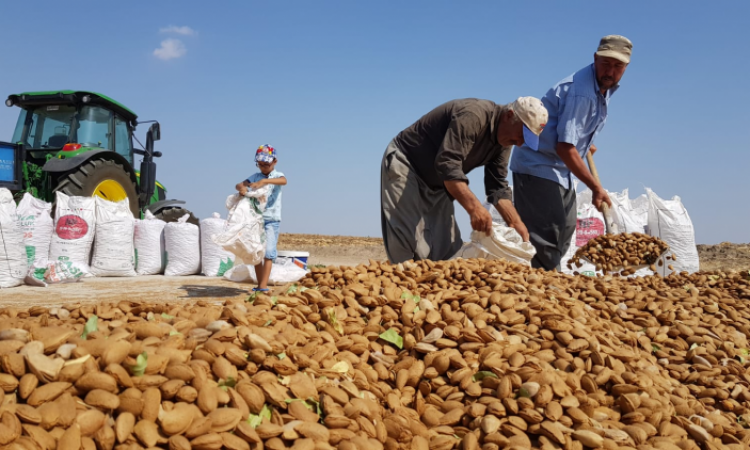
[[81, 143], [66, 123]]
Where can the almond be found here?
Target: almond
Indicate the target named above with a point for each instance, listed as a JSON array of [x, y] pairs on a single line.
[[224, 419]]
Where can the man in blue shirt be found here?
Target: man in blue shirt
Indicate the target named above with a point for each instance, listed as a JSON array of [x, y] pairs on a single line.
[[543, 190]]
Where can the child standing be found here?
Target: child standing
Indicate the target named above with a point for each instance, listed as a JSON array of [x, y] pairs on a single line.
[[265, 160]]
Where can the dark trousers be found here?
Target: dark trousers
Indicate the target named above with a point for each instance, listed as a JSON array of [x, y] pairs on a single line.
[[549, 212]]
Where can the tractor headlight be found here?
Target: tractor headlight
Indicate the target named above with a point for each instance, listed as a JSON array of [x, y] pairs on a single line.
[[86, 98], [8, 103]]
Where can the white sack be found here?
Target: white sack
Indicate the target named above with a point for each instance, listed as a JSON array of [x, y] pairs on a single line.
[[58, 272], [183, 248], [36, 223], [504, 243], [215, 261], [75, 225], [148, 240], [282, 272], [244, 235], [669, 221], [496, 217], [625, 218], [13, 260], [114, 254]]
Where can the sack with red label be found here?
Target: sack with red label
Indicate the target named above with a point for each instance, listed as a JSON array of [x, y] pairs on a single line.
[[589, 224], [75, 222]]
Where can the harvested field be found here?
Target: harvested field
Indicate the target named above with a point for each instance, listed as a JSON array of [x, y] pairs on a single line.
[[349, 250]]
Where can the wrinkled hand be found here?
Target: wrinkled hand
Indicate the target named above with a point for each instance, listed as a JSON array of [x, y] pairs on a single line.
[[481, 220], [521, 229], [592, 149], [258, 184], [600, 196]]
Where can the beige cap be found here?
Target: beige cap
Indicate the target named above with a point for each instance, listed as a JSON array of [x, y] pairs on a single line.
[[615, 46], [532, 113]]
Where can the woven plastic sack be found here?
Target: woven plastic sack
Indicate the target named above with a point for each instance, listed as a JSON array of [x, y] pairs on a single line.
[[75, 225], [148, 240], [669, 221], [183, 248], [13, 261], [114, 254], [504, 243], [35, 221], [282, 272], [244, 235], [215, 261]]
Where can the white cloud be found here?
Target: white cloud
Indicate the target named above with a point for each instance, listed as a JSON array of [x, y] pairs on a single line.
[[186, 31], [170, 49]]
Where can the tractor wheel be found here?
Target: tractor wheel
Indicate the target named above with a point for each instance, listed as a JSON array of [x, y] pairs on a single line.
[[101, 178], [172, 214]]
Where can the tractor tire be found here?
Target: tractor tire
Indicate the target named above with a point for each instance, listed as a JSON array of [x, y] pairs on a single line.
[[172, 214], [87, 181]]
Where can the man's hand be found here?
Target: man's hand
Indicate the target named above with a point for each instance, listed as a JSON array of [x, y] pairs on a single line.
[[592, 149], [521, 229], [258, 184], [599, 196], [243, 191], [481, 220]]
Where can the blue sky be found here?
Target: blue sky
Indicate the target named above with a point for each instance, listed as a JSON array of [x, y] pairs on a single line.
[[329, 83]]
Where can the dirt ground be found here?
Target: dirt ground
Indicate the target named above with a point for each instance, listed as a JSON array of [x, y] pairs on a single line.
[[324, 250]]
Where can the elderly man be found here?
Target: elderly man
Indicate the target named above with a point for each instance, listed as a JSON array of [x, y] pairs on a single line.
[[424, 169], [543, 190]]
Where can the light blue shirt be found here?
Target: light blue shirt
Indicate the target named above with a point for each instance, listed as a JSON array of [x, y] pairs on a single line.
[[577, 113], [272, 213]]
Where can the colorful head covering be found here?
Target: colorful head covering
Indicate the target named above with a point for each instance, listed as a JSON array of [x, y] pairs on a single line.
[[265, 153]]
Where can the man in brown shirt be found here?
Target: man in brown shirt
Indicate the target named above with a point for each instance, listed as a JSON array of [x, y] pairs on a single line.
[[424, 169]]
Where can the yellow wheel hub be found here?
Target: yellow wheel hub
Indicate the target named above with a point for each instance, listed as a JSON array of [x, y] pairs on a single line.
[[110, 190]]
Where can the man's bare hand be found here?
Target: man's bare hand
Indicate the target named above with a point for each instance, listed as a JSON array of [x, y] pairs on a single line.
[[521, 229], [600, 195], [481, 220], [592, 149], [243, 191]]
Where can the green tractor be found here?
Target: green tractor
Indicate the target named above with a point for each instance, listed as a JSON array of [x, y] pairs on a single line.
[[81, 143]]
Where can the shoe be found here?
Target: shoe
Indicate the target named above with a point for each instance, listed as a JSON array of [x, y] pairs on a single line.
[[255, 289]]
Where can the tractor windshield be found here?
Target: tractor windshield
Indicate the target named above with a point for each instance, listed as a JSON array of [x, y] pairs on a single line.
[[53, 126], [44, 127]]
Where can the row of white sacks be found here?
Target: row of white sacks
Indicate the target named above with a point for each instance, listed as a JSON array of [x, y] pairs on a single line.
[[648, 214], [91, 236]]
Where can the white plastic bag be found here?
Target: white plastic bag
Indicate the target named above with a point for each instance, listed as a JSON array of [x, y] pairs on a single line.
[[148, 240], [183, 248], [504, 243], [214, 259], [669, 221], [282, 272], [75, 224], [496, 217], [36, 223], [114, 255], [244, 234], [13, 260]]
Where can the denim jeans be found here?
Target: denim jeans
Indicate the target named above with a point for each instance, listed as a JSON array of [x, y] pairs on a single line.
[[272, 238]]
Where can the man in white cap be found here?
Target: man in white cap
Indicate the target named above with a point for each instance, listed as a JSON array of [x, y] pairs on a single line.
[[542, 178], [424, 169]]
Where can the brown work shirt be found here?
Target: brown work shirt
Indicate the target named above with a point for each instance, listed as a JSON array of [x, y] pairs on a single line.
[[455, 138]]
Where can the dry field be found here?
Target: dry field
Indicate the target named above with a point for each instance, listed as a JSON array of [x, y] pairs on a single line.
[[324, 250]]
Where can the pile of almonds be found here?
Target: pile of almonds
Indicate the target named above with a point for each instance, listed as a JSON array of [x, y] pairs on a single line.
[[622, 253], [456, 354]]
